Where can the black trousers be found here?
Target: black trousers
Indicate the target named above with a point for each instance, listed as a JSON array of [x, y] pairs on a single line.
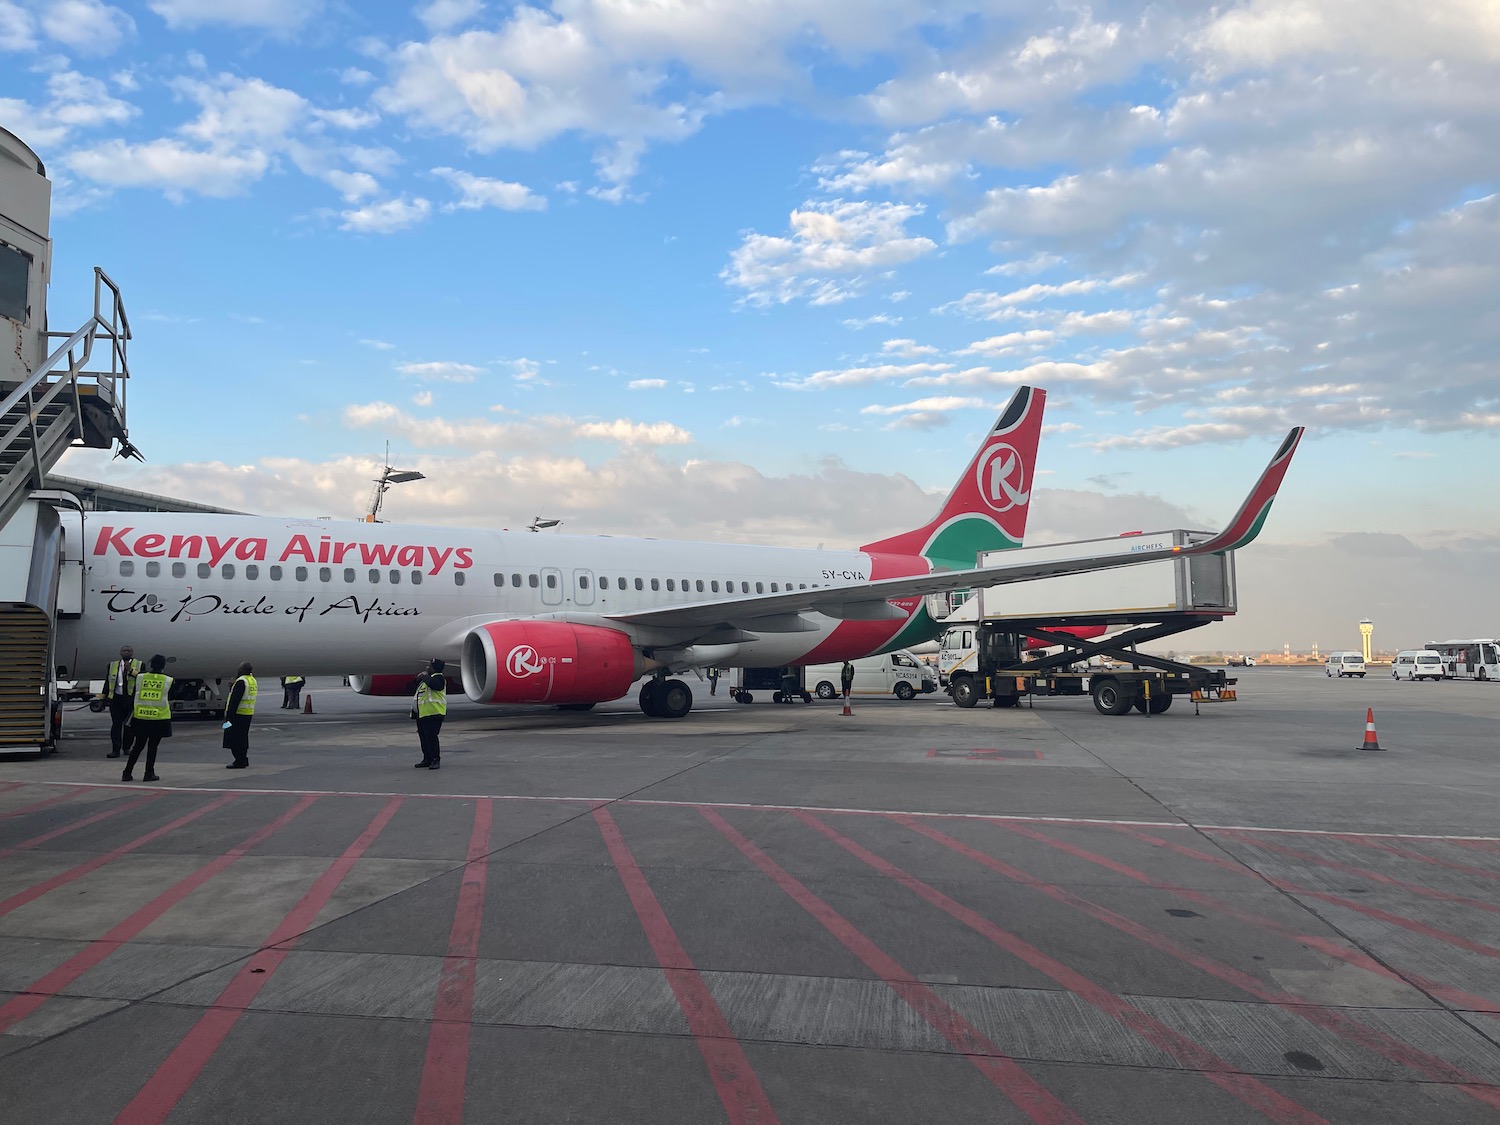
[[120, 709], [237, 738], [427, 731], [291, 696], [148, 742]]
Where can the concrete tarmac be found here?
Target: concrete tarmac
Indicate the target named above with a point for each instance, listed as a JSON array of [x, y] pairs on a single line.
[[767, 913]]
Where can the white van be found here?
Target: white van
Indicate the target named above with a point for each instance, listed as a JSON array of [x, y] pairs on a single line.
[[1417, 664], [1345, 664], [897, 673]]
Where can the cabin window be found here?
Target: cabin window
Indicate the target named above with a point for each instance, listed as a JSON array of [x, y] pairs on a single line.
[[532, 581], [416, 578], [275, 573], [348, 574], [656, 583], [153, 569], [760, 587], [671, 585], [15, 273], [515, 580], [395, 577], [300, 574], [499, 579], [551, 581], [252, 571], [204, 570], [744, 587], [699, 585], [374, 578], [458, 578], [325, 574], [583, 581], [621, 583], [714, 585], [801, 585], [773, 587], [639, 585], [604, 583], [227, 570], [127, 568], [179, 570]]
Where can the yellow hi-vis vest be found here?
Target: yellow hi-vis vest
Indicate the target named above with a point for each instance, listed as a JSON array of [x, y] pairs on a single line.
[[151, 696], [247, 701], [132, 670], [430, 700]]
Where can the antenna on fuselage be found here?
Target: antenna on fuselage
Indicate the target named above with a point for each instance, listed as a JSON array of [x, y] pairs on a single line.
[[388, 477]]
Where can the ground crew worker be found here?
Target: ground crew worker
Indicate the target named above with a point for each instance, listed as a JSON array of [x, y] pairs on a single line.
[[151, 718], [238, 711], [429, 706], [291, 692], [713, 681], [846, 677], [119, 690]]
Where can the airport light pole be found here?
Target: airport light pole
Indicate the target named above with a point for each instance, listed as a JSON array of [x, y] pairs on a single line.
[[387, 478]]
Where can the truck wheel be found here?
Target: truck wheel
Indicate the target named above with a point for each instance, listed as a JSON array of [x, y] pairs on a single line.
[[965, 694], [825, 690], [1160, 703], [1007, 701], [1110, 697], [905, 691]]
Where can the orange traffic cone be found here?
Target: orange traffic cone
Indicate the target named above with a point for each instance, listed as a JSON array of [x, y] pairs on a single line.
[[847, 711], [1372, 741], [307, 706]]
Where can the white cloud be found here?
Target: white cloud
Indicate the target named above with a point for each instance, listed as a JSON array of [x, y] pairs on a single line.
[[860, 322], [279, 17], [170, 166], [859, 376], [832, 249], [74, 103], [543, 432], [385, 217], [422, 398], [354, 76], [928, 405], [1009, 343], [17, 28], [350, 118], [479, 191], [442, 371], [907, 349], [626, 432], [1266, 31], [382, 345], [443, 15], [646, 384], [89, 27]]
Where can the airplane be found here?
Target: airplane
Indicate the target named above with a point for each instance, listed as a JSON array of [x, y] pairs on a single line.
[[568, 621]]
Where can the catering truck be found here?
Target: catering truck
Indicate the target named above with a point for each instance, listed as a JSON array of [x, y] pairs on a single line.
[[1053, 636]]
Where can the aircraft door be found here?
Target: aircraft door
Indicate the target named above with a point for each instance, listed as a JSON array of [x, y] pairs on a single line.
[[583, 587], [552, 589]]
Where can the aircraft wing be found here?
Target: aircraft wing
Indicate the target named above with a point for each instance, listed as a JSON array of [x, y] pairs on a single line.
[[870, 601]]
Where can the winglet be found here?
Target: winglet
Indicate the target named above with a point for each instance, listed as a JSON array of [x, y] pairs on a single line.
[[1251, 517]]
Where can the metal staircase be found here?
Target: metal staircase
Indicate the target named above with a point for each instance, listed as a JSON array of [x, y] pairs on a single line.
[[62, 403]]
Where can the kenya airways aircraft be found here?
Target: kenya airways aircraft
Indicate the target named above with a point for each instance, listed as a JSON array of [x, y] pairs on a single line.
[[564, 620]]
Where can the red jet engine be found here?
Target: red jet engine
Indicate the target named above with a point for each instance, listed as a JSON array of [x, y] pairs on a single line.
[[547, 662]]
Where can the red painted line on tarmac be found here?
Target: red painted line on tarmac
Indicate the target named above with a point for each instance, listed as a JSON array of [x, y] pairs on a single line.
[[96, 951], [164, 1089], [440, 1099], [1365, 873], [39, 805], [7, 786], [1435, 861], [1376, 1041], [1342, 901], [1029, 1096], [31, 894], [1254, 1093], [113, 810], [739, 1090]]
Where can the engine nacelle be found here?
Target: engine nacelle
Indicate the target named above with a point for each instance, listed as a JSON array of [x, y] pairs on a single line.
[[390, 684], [547, 662]]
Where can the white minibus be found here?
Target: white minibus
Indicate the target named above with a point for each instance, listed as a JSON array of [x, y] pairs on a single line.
[[1417, 664], [1345, 664], [897, 673]]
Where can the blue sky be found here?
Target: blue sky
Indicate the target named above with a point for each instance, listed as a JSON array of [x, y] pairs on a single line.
[[765, 271]]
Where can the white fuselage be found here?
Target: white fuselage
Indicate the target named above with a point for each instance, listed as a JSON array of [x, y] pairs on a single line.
[[316, 598]]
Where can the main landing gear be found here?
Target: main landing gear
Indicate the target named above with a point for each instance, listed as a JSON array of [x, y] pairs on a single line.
[[666, 699]]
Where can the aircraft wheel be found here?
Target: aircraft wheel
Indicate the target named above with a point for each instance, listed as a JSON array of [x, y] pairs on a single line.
[[1110, 697], [650, 698], [675, 700], [826, 690], [964, 693], [905, 691]]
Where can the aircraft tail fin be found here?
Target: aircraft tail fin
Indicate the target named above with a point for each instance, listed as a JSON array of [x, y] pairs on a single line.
[[1251, 517], [987, 508]]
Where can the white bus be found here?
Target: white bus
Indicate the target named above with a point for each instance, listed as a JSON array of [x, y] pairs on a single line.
[[1469, 660]]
